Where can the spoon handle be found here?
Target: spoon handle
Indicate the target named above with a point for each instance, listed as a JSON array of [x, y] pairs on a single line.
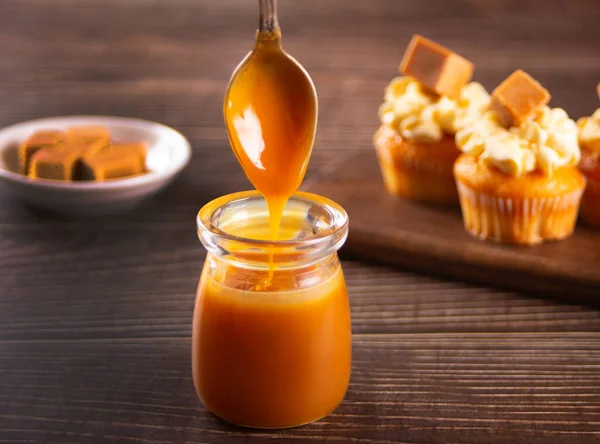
[[268, 16]]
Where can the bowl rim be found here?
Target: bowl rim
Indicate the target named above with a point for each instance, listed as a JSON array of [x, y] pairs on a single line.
[[124, 183]]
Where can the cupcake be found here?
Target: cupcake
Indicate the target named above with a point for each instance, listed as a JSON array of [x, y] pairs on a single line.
[[415, 143], [589, 141], [519, 184]]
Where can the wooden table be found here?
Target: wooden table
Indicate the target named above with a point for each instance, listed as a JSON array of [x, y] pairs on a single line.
[[95, 315]]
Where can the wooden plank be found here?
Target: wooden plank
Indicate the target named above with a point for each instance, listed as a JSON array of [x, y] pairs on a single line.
[[432, 238]]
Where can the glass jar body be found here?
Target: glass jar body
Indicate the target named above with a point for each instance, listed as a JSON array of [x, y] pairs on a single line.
[[271, 348]]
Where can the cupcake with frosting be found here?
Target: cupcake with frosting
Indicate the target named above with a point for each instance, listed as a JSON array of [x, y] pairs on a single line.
[[589, 141], [415, 143], [520, 184]]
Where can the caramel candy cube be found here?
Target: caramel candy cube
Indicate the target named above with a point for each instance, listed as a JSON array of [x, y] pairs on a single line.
[[87, 147], [518, 98], [57, 163], [115, 161], [436, 67], [88, 134], [598, 90], [34, 143]]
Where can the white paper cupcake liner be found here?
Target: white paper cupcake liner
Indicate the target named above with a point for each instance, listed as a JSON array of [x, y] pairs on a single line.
[[525, 221]]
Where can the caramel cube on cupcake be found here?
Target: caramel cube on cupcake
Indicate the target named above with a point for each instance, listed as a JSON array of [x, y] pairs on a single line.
[[517, 98], [436, 67], [114, 162], [56, 163], [37, 141]]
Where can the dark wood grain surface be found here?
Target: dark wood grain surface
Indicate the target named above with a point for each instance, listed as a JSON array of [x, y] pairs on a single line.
[[95, 316]]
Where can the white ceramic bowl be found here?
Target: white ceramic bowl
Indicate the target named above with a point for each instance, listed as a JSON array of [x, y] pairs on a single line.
[[168, 153]]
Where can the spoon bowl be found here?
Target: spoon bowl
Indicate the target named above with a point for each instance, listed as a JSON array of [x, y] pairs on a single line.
[[270, 111]]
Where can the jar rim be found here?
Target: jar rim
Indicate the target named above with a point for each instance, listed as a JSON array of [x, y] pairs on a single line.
[[339, 221]]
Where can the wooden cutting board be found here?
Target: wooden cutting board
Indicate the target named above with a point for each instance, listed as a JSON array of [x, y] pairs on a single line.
[[430, 238]]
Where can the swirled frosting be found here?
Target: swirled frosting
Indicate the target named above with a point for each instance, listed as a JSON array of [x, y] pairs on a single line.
[[423, 117], [589, 131], [546, 142]]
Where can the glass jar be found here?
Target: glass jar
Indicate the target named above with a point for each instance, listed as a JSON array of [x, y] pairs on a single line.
[[271, 343]]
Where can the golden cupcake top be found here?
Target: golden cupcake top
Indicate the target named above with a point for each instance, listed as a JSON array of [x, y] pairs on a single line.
[[520, 133], [437, 68], [419, 115], [589, 132]]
